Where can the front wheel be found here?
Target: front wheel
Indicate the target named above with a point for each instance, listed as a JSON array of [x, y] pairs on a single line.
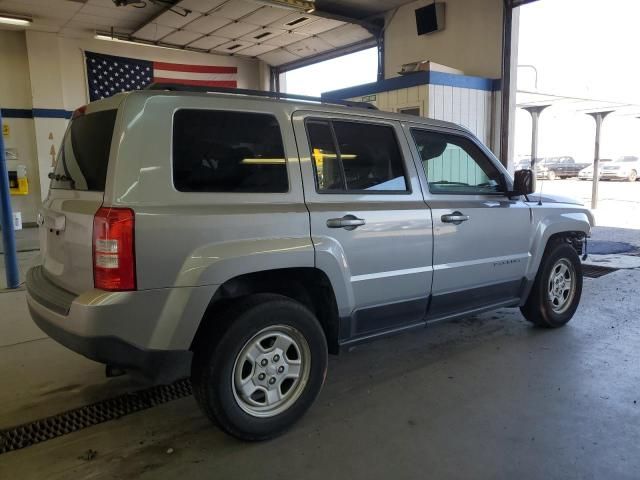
[[264, 370], [556, 291], [551, 175], [633, 175]]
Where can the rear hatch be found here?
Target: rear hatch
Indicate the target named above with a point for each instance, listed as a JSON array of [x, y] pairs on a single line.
[[76, 193]]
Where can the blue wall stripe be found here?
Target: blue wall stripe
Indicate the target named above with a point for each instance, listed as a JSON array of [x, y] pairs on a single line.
[[16, 113], [413, 80], [51, 113], [36, 113]]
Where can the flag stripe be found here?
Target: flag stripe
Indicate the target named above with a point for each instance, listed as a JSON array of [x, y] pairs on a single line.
[[194, 76], [109, 74], [177, 67], [199, 83]]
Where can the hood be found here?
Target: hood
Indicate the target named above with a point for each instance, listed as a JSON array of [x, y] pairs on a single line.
[[548, 198]]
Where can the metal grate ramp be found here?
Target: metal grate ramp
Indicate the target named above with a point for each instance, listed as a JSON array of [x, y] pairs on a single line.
[[596, 271], [48, 428]]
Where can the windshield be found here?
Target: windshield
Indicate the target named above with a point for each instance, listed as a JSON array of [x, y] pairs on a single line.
[[626, 159], [84, 154]]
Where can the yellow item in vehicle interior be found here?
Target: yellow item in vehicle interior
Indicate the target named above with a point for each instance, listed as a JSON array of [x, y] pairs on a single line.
[[318, 157]]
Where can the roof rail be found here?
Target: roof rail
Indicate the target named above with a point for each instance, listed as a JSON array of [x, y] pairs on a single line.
[[176, 87]]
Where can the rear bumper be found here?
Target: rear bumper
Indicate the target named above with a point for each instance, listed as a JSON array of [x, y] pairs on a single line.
[[107, 327]]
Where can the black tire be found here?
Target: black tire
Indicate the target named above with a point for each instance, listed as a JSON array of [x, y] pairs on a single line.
[[214, 364], [539, 308]]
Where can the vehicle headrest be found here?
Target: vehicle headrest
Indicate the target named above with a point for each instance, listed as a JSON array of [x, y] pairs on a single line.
[[433, 148]]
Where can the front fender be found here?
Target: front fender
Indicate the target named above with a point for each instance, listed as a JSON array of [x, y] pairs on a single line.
[[550, 221]]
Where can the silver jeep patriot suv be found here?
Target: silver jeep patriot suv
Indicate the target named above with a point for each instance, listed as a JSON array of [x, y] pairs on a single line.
[[240, 238]]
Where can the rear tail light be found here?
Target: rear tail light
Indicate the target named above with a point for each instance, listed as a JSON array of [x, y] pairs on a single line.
[[114, 259]]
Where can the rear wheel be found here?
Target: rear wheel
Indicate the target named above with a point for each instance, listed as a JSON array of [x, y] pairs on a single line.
[[264, 370], [556, 292], [633, 175]]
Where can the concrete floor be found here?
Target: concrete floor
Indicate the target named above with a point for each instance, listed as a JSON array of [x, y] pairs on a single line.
[[485, 397]]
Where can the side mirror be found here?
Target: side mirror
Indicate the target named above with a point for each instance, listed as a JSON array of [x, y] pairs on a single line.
[[524, 182]]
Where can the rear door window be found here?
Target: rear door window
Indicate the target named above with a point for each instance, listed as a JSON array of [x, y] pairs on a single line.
[[222, 151], [84, 155]]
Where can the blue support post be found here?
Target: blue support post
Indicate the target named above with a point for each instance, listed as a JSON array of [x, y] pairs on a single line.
[[6, 220]]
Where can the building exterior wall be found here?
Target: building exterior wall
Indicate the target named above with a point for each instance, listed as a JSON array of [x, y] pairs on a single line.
[[471, 108]]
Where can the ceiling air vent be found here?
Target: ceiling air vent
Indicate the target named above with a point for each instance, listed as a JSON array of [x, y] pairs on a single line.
[[297, 21], [262, 35], [234, 46]]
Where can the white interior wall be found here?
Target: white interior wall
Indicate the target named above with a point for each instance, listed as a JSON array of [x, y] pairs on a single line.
[[47, 91], [45, 71], [15, 93], [74, 76], [471, 40]]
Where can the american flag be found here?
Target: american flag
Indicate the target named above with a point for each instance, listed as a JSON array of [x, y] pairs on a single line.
[[109, 74]]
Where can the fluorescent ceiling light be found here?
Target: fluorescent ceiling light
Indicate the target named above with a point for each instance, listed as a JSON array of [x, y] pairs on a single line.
[[105, 36], [307, 6], [13, 20]]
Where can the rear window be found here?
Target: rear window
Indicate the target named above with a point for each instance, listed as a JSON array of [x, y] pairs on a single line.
[[84, 155], [222, 151]]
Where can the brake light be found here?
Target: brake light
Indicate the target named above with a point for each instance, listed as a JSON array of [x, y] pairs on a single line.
[[114, 260]]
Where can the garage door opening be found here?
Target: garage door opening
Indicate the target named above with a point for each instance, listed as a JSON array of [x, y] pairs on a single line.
[[578, 68], [346, 71]]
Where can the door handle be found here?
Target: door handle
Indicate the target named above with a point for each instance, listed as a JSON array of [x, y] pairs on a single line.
[[348, 222], [456, 218]]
